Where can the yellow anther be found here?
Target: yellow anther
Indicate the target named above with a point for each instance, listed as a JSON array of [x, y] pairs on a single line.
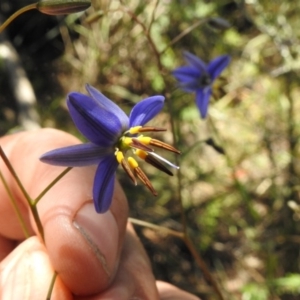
[[140, 153], [134, 130], [119, 156], [126, 141], [132, 162], [145, 139]]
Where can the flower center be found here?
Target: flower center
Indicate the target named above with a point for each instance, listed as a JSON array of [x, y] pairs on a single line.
[[142, 147], [204, 80]]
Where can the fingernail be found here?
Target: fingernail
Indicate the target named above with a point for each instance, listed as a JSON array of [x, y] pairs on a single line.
[[100, 232]]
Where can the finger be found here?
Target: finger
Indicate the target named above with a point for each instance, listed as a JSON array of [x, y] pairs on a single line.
[[83, 246], [168, 291], [27, 273], [134, 279], [6, 246]]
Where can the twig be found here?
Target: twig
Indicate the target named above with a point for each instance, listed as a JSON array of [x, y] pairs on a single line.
[[153, 15], [187, 241], [147, 34], [156, 227], [183, 34]]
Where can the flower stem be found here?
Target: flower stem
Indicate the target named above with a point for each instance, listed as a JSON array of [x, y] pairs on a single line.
[[190, 149], [183, 34], [15, 206], [15, 176], [51, 286], [201, 263], [62, 174], [37, 220], [239, 186], [16, 14], [146, 32], [31, 205], [184, 236]]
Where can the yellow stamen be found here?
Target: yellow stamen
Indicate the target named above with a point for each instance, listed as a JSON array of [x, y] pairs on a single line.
[[121, 160], [132, 162], [140, 153], [141, 175], [127, 141], [119, 156], [144, 139], [134, 130]]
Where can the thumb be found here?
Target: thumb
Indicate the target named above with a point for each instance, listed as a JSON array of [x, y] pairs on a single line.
[[84, 247]]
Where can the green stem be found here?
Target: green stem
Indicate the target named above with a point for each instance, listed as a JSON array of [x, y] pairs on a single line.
[[191, 148], [15, 176], [31, 205], [177, 161], [37, 220], [201, 263], [185, 238], [183, 34], [39, 197], [240, 187], [16, 14], [15, 206], [51, 286]]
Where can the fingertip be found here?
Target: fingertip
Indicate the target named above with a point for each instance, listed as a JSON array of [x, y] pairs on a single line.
[[168, 291], [26, 273]]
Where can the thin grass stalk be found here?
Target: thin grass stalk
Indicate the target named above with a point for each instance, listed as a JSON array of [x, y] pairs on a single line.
[[15, 206], [18, 13]]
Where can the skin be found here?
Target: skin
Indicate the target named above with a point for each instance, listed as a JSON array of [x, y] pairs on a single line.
[[96, 256]]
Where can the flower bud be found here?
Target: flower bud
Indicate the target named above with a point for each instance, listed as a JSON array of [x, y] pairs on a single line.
[[62, 7], [219, 23]]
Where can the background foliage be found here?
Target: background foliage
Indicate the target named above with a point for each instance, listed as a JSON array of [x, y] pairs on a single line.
[[240, 167]]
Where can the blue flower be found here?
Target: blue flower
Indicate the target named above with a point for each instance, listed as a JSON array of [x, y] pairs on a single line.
[[197, 77], [111, 134]]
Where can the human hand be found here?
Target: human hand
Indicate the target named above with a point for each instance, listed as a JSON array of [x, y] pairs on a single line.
[[96, 256]]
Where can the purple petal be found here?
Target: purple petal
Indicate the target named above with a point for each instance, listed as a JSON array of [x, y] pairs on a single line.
[[194, 61], [100, 126], [189, 71], [216, 66], [104, 183], [189, 78], [145, 110], [108, 105], [76, 155], [202, 100], [186, 74]]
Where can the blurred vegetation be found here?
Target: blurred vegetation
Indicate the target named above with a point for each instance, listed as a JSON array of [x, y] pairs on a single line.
[[240, 167]]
